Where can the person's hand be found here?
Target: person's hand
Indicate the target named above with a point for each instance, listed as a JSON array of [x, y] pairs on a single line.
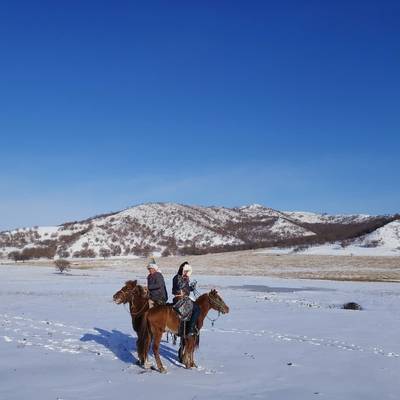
[[193, 285]]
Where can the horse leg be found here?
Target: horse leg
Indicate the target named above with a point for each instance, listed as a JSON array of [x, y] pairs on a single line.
[[186, 352], [192, 363], [195, 344], [143, 362], [180, 351], [156, 350], [143, 346], [191, 352]]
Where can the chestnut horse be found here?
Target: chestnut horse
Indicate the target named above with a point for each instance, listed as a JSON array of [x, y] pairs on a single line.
[[138, 299], [162, 319]]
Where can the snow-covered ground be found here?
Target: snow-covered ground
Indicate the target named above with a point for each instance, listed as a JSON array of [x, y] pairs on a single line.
[[62, 337], [336, 249]]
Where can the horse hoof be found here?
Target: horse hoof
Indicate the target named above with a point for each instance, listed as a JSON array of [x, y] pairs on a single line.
[[163, 370]]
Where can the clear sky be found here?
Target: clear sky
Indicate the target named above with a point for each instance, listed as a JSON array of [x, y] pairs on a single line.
[[290, 104]]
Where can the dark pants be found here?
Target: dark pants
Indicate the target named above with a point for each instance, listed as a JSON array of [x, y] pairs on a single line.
[[193, 318], [158, 302]]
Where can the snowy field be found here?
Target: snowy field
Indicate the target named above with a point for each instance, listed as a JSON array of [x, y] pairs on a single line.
[[62, 337]]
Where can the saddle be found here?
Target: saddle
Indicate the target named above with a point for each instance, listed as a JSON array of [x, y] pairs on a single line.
[[184, 308]]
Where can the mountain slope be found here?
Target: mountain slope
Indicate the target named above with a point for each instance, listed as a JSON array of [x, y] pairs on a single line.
[[168, 228], [387, 236]]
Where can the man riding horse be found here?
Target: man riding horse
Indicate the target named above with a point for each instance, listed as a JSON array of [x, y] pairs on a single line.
[[156, 285]]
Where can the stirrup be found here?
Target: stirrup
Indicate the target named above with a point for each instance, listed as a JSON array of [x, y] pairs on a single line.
[[193, 332]]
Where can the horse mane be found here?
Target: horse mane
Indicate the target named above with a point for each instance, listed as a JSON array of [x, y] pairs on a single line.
[[202, 296], [209, 294], [134, 285], [131, 283], [142, 290]]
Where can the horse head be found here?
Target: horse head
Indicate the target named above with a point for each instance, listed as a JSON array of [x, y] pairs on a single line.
[[217, 303], [127, 292]]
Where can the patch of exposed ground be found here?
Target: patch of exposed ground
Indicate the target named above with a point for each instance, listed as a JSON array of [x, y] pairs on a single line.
[[296, 266]]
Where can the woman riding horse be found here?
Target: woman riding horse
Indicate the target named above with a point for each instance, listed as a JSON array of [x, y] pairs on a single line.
[[181, 288]]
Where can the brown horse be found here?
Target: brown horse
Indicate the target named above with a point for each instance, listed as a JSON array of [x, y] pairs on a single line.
[[164, 319], [138, 299]]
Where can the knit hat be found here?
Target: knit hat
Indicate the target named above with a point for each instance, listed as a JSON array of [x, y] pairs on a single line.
[[188, 269], [152, 264]]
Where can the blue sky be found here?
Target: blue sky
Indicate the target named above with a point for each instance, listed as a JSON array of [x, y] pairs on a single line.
[[291, 104]]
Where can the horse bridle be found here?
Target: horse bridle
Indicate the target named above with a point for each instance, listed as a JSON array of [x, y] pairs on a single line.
[[219, 304], [132, 294]]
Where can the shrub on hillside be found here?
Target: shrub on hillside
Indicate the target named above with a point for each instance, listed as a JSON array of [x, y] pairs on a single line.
[[85, 253], [39, 252], [15, 256], [104, 253], [372, 244], [115, 250], [166, 252]]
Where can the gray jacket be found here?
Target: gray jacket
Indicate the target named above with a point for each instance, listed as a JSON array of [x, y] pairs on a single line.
[[157, 289]]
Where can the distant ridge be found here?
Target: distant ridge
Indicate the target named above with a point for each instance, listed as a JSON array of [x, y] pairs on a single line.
[[168, 229]]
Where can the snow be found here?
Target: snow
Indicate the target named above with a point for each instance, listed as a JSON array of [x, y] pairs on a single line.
[[284, 228], [47, 230], [388, 236], [64, 338], [315, 218], [384, 241], [336, 249], [276, 250], [353, 250]]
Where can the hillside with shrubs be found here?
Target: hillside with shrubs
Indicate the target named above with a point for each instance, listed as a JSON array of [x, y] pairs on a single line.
[[173, 229]]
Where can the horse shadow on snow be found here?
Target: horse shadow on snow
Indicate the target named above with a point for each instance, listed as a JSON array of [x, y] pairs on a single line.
[[123, 345]]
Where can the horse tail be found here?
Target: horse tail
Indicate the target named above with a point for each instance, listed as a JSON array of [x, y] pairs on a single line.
[[144, 339]]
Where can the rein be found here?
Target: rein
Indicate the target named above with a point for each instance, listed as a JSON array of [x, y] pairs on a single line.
[[146, 303], [131, 311], [213, 319]]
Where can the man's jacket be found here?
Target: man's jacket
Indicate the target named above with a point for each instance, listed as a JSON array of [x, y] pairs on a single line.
[[156, 286]]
